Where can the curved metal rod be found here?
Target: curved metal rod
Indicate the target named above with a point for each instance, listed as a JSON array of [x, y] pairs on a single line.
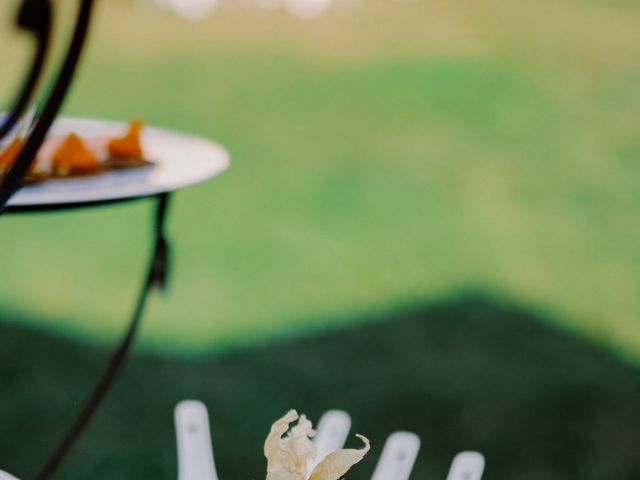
[[35, 17], [19, 169], [156, 277]]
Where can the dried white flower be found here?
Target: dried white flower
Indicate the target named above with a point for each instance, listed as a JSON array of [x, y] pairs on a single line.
[[288, 456]]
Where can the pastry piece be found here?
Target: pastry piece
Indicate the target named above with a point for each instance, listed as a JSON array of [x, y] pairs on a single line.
[[9, 155], [74, 158], [126, 151]]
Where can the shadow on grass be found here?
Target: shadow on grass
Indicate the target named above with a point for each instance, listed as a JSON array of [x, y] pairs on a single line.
[[464, 374]]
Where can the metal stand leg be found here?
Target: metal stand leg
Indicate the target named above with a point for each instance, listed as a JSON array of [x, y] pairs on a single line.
[[156, 277]]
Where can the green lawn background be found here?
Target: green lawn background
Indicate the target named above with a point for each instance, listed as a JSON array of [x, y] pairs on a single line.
[[382, 155]]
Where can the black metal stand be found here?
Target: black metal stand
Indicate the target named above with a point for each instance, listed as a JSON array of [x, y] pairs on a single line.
[[156, 277], [35, 16]]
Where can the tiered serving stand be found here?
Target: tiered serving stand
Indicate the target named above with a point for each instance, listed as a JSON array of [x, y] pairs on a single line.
[[179, 160]]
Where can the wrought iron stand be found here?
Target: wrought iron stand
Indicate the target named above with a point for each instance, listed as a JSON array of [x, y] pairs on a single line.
[[35, 17]]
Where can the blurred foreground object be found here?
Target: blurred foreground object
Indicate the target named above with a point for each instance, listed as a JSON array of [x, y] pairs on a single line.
[[323, 455]]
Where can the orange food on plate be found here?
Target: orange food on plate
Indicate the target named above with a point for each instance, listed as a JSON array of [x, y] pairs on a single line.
[[9, 155], [129, 144], [126, 151], [73, 157]]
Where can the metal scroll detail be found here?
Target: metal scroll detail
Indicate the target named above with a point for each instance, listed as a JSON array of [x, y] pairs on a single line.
[[19, 169], [34, 17]]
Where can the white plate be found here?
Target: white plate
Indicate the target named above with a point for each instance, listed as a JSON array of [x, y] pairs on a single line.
[[178, 159]]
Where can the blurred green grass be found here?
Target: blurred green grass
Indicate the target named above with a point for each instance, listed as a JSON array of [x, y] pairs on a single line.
[[381, 155]]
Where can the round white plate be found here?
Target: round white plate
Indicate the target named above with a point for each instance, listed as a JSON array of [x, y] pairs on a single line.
[[178, 160]]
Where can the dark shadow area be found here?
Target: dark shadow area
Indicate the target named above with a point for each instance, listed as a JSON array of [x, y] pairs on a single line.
[[463, 374]]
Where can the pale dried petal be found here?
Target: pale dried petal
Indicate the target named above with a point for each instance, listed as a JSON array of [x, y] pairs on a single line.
[[298, 442], [279, 459], [287, 457], [336, 464]]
